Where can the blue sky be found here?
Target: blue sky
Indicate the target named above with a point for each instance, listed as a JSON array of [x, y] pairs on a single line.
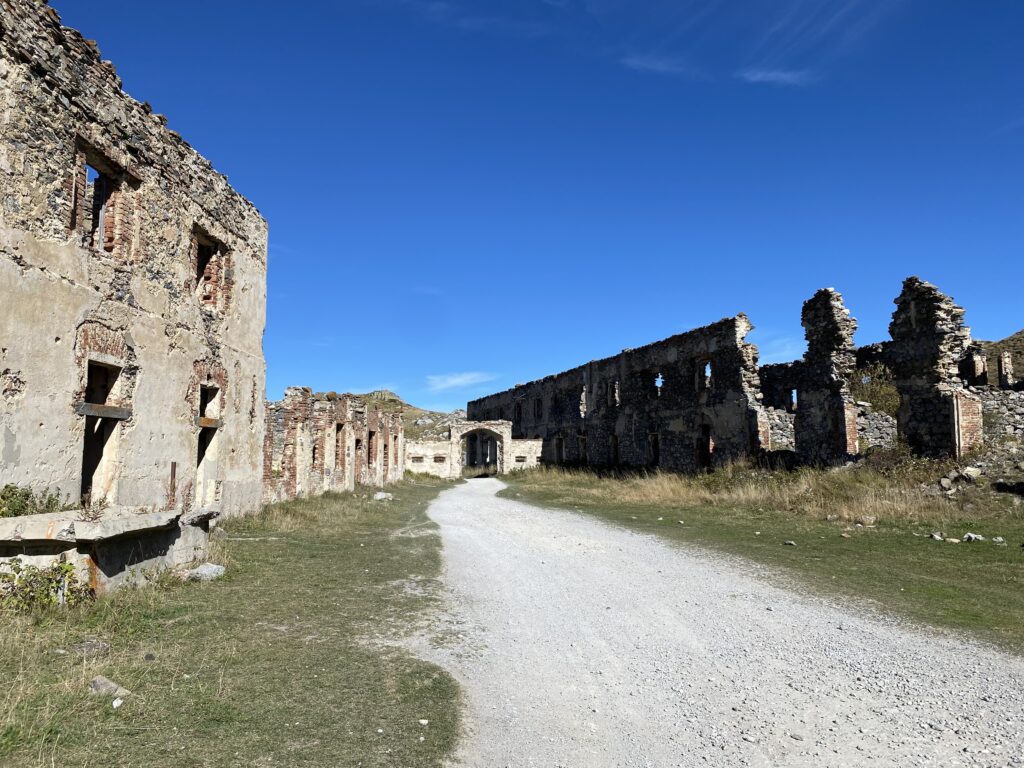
[[465, 195]]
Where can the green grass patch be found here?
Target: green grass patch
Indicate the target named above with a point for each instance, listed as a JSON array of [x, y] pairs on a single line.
[[977, 587], [292, 659]]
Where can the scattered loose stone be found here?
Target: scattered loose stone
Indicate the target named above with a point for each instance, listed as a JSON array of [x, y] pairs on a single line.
[[973, 537], [205, 572], [91, 647], [952, 541], [102, 686], [938, 536], [382, 496], [789, 543]]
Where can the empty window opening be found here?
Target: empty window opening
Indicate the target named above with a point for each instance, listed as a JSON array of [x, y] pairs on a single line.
[[520, 459], [416, 459], [385, 455], [99, 382], [339, 446], [440, 459], [208, 406], [581, 443], [559, 450], [583, 402], [97, 461], [206, 435], [208, 259], [94, 204], [538, 409], [613, 394], [654, 449], [705, 447], [705, 376], [659, 383], [517, 413], [371, 447], [315, 451], [359, 448], [791, 406], [613, 450]]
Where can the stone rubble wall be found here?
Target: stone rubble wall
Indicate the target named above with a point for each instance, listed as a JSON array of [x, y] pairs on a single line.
[[1003, 412], [875, 429], [781, 429]]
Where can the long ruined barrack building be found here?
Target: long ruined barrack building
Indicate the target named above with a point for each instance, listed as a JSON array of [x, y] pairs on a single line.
[[699, 400]]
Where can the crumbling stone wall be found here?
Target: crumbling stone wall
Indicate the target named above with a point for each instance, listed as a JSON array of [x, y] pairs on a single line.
[[686, 403], [826, 415], [319, 442], [1003, 412], [133, 280], [937, 415], [874, 428], [698, 399]]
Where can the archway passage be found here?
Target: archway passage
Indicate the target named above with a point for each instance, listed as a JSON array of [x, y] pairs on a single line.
[[483, 453]]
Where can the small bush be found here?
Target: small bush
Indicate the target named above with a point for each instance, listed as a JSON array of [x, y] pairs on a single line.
[[28, 587], [873, 384], [16, 501]]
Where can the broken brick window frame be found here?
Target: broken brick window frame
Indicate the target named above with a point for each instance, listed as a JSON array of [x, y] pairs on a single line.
[[209, 260], [99, 206]]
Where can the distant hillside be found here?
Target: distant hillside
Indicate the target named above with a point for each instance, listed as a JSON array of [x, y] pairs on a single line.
[[1014, 345], [418, 422]]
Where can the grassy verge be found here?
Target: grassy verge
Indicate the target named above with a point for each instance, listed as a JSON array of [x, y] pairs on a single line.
[[283, 662], [891, 562]]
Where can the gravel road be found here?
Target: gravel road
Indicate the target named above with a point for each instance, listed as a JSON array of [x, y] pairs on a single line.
[[583, 645]]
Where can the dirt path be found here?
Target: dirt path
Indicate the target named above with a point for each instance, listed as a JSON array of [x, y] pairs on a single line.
[[585, 646]]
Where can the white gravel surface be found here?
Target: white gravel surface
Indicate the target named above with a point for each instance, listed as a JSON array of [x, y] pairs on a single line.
[[582, 645]]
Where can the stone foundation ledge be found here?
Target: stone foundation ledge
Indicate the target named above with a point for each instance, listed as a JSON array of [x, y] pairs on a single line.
[[122, 547]]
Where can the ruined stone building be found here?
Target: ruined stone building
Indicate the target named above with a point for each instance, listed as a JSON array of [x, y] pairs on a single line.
[[327, 442], [699, 399], [132, 292], [486, 446]]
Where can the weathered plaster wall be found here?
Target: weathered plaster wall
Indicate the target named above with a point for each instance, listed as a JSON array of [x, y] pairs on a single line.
[[486, 444], [137, 292]]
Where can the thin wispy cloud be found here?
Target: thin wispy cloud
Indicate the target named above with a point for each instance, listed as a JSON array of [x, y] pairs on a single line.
[[445, 382], [661, 65], [783, 42], [788, 77]]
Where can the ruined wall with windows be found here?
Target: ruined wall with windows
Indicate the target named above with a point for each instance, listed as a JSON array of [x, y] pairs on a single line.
[[698, 399], [133, 285], [686, 403], [319, 442]]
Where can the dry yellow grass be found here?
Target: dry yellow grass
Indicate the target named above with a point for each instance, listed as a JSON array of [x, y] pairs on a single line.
[[890, 486]]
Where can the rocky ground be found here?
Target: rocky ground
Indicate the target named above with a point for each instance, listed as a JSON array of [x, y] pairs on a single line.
[[584, 645]]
